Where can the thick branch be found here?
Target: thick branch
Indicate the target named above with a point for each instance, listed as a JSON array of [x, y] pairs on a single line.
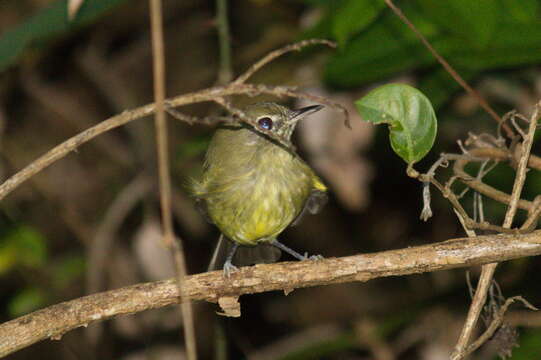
[[56, 320]]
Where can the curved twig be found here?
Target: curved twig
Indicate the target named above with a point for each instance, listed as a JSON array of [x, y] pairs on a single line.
[[478, 185], [277, 53], [210, 94]]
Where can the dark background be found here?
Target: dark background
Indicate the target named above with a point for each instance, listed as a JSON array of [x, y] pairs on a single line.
[[59, 78]]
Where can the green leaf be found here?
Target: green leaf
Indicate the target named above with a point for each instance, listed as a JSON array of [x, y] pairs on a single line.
[[472, 21], [526, 11], [28, 300], [50, 22], [383, 49], [409, 114], [353, 16], [514, 44]]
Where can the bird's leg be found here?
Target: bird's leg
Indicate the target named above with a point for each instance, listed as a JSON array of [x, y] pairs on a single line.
[[293, 253], [228, 265]]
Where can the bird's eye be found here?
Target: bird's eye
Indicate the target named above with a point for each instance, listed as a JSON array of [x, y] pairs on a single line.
[[265, 123]]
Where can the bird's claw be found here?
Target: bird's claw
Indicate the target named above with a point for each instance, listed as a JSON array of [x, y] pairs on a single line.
[[229, 268], [312, 257]]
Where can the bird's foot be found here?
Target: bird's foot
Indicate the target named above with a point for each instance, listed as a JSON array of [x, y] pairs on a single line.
[[229, 268], [313, 257]]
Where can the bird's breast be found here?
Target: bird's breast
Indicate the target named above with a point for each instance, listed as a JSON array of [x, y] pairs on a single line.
[[260, 195]]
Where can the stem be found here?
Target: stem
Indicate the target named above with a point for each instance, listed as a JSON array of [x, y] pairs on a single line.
[[163, 167], [484, 104], [225, 73]]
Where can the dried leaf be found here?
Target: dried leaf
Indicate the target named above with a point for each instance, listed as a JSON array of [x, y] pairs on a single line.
[[230, 305], [73, 8]]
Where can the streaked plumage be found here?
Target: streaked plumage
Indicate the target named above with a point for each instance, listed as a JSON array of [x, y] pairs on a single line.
[[252, 187]]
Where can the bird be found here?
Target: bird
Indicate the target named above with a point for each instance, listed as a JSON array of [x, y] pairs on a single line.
[[252, 186]]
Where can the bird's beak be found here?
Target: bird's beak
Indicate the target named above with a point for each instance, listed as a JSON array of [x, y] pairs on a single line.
[[305, 111]]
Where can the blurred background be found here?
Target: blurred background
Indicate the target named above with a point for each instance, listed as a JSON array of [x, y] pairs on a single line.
[[90, 222]]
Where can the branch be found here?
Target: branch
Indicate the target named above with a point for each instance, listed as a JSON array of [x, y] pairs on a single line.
[[487, 271], [58, 319], [496, 323], [480, 154], [211, 94], [158, 57], [277, 53], [522, 169]]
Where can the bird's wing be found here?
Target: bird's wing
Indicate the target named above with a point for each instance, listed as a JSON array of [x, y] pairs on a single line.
[[201, 206], [315, 202]]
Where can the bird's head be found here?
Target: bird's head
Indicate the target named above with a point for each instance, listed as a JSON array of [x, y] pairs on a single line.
[[278, 119]]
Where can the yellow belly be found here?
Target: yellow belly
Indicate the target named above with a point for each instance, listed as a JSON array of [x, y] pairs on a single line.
[[251, 214], [254, 192]]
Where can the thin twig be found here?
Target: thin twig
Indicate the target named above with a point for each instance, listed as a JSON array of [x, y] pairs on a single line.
[[190, 119], [533, 215], [467, 229], [61, 103], [210, 94], [480, 186], [487, 271], [449, 68], [56, 320], [277, 53], [69, 145], [75, 221], [426, 212], [496, 323], [294, 93], [522, 169], [240, 115], [478, 302], [458, 208], [163, 167]]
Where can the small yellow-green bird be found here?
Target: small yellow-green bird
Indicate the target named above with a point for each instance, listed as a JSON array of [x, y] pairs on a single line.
[[252, 186]]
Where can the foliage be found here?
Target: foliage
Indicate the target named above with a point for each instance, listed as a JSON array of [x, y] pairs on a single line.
[[473, 36], [48, 23], [24, 246], [409, 114]]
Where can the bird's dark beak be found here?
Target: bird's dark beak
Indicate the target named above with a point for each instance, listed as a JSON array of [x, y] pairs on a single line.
[[305, 111]]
